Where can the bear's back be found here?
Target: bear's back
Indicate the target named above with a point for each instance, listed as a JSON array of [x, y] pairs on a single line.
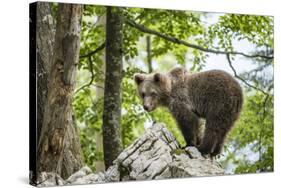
[[210, 91]]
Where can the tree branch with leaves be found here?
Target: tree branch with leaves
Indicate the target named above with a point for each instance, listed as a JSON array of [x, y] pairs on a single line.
[[144, 29]]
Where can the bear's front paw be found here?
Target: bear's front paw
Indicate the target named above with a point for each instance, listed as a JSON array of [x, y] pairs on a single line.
[[204, 150]]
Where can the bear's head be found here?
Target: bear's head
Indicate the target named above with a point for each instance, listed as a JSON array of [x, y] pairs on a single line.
[[153, 89]]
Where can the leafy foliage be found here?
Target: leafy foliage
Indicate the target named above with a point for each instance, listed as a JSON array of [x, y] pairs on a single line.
[[250, 145], [252, 138], [256, 29]]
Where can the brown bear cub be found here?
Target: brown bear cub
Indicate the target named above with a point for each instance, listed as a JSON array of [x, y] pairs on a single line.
[[214, 95]]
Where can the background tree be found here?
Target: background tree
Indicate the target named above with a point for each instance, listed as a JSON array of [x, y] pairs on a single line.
[[59, 147], [112, 142]]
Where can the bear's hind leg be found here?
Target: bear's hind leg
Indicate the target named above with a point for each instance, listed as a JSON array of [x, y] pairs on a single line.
[[221, 136], [219, 144], [209, 140], [214, 136]]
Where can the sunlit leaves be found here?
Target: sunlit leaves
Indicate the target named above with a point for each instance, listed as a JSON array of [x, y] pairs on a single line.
[[256, 29]]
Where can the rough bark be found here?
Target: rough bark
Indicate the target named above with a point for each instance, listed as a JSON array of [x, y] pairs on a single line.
[[45, 37], [59, 147], [112, 144], [155, 155]]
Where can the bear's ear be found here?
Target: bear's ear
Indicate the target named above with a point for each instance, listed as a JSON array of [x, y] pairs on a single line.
[[163, 80], [158, 77], [139, 78]]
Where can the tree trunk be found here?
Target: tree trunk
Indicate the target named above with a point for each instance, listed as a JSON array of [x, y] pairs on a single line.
[[112, 92], [45, 37], [59, 147], [148, 50]]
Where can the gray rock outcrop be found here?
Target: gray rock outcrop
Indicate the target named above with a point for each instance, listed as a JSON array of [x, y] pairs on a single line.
[[155, 155]]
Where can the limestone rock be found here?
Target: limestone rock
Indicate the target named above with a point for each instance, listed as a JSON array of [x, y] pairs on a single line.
[[149, 156], [49, 179], [79, 174], [155, 155], [194, 166]]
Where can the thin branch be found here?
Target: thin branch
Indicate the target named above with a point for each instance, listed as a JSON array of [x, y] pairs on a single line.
[[264, 103], [182, 42], [260, 68], [240, 78], [90, 63], [101, 47]]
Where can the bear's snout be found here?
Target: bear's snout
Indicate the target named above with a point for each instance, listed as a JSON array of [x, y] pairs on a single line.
[[147, 108]]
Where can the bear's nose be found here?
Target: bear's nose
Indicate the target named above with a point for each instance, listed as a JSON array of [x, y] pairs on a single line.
[[146, 108]]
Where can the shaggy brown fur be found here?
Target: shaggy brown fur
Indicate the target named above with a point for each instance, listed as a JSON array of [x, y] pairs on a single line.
[[214, 95]]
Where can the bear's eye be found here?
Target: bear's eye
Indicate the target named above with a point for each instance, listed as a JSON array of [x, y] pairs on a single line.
[[153, 94], [142, 95]]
